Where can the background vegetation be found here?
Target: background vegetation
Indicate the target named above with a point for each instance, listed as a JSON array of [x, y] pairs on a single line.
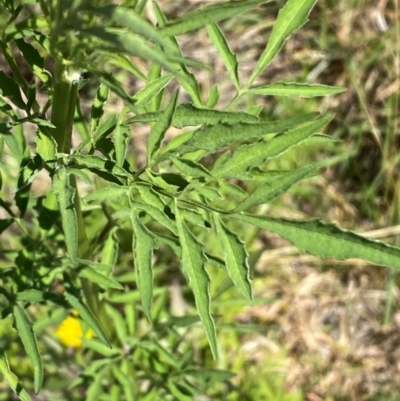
[[318, 330]]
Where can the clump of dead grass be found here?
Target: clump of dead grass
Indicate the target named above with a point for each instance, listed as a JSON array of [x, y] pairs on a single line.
[[330, 325]]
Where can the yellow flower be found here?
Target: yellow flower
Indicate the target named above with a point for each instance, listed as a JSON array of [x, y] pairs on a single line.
[[70, 331]]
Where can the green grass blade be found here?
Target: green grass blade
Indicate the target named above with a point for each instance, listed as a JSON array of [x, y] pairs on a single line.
[[255, 154], [65, 195], [27, 336], [223, 49], [193, 264], [151, 90], [291, 17], [327, 240], [296, 89], [160, 128], [236, 257], [207, 15], [87, 316], [11, 379], [274, 186], [143, 246]]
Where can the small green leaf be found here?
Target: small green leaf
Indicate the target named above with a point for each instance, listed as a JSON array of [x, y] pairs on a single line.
[[274, 186], [122, 135], [189, 167], [36, 296], [82, 174], [163, 354], [27, 336], [111, 193], [65, 197], [87, 316], [193, 261], [99, 278], [291, 17], [160, 128], [143, 246], [10, 89], [194, 217], [151, 197], [223, 49], [327, 240], [118, 321], [100, 348], [257, 153], [124, 62], [236, 257], [11, 379], [207, 15], [97, 163], [151, 90], [97, 109], [95, 389], [296, 89], [157, 214], [126, 382], [114, 85], [34, 59], [209, 376], [213, 97], [208, 192], [46, 146], [153, 75], [109, 254]]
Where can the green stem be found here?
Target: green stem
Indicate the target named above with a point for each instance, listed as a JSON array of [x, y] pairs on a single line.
[[62, 116], [64, 102]]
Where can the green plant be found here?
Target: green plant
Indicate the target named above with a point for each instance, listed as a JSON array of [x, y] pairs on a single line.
[[188, 195]]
